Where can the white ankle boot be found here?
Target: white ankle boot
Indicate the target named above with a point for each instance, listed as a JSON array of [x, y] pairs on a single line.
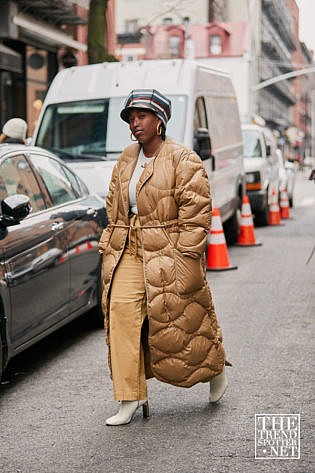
[[218, 386], [126, 412]]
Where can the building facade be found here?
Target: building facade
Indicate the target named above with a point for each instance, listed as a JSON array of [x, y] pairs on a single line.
[[37, 39], [278, 43], [134, 18], [254, 40]]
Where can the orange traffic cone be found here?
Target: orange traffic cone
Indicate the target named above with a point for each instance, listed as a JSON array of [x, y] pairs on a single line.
[[284, 204], [274, 210], [246, 236], [217, 257]]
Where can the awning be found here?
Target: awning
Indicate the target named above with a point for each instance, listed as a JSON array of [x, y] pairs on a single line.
[[59, 12], [45, 33], [10, 60]]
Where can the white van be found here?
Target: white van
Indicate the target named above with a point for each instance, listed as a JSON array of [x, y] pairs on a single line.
[[80, 121], [262, 169]]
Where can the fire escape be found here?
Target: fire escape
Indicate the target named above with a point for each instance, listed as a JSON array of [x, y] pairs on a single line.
[[277, 45]]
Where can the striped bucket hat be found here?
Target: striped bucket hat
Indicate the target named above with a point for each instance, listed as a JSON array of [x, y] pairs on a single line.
[[148, 98]]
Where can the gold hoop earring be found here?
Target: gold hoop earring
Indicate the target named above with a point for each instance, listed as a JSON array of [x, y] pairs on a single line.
[[132, 138], [159, 129]]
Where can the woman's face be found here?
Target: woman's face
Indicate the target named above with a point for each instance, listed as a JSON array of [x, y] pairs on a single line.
[[143, 124]]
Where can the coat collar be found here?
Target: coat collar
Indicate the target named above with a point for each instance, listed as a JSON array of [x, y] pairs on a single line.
[[129, 161], [148, 170]]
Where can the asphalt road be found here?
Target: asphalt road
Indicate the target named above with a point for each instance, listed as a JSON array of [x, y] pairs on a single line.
[[56, 396]]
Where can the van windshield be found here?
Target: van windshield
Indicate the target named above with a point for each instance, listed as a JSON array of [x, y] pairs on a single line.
[[93, 129], [252, 145]]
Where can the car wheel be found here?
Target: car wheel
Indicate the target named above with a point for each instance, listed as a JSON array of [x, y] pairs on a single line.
[[262, 216], [98, 317], [1, 359], [231, 227]]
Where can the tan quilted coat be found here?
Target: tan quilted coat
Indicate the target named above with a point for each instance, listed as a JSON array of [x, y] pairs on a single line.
[[173, 198]]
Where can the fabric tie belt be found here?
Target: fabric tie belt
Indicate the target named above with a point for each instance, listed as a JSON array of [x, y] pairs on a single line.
[[133, 227]]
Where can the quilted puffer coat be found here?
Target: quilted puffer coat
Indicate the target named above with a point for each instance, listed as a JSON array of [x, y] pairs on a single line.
[[174, 208]]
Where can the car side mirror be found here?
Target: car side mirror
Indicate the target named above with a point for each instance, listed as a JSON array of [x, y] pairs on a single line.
[[268, 150], [14, 209], [202, 143]]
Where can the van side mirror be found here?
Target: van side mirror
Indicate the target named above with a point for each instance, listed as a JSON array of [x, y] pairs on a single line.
[[14, 209], [268, 150], [202, 143]]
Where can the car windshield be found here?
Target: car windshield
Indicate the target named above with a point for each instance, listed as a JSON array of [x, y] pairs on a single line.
[[252, 146], [93, 129]]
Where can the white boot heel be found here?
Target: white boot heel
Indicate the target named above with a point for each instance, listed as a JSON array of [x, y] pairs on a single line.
[[218, 387], [126, 412]]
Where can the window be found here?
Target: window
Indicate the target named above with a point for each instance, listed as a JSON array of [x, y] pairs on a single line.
[[75, 128], [89, 130], [55, 180], [18, 178], [215, 44], [131, 26], [252, 144], [74, 182], [174, 43], [200, 118], [225, 108], [167, 20]]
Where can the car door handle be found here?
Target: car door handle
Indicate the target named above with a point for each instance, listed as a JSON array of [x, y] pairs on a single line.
[[56, 226], [91, 211]]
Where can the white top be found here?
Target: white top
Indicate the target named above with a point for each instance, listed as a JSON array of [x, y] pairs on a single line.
[[141, 164]]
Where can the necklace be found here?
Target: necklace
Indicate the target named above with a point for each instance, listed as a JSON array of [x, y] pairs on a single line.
[[146, 159]]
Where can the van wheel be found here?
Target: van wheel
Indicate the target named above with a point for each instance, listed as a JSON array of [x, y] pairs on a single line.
[[231, 227], [261, 217]]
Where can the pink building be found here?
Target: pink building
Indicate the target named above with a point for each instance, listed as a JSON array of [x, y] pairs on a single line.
[[199, 41], [186, 41]]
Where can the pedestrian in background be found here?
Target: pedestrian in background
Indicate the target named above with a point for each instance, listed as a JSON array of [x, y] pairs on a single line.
[[14, 131], [159, 315]]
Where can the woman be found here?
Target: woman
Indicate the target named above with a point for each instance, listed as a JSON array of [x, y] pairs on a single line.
[[159, 315], [14, 131]]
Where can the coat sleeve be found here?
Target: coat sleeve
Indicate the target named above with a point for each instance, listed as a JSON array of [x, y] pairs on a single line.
[[193, 198], [103, 242]]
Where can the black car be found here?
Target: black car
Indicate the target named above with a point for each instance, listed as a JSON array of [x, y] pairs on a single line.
[[49, 262]]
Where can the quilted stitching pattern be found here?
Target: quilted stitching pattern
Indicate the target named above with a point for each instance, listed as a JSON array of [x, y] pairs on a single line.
[[185, 339]]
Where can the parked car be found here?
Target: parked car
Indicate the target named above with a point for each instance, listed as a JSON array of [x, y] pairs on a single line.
[[49, 230], [261, 168], [80, 121], [287, 175]]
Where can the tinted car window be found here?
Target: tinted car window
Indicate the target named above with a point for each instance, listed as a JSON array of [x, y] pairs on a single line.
[[18, 178], [74, 181], [55, 180]]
